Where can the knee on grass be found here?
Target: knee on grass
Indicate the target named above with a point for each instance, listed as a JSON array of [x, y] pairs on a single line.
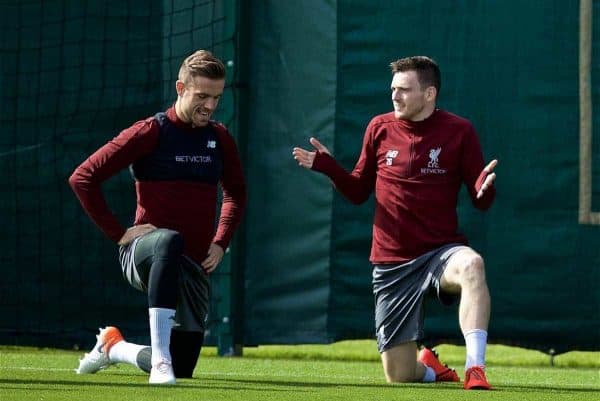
[[403, 377]]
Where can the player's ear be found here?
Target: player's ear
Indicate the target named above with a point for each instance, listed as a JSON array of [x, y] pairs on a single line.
[[179, 87], [430, 93]]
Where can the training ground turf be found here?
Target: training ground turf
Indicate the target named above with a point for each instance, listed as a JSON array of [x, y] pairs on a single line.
[[348, 371]]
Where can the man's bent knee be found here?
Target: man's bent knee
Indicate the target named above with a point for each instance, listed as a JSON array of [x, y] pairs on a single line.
[[473, 270], [169, 243], [464, 268], [400, 377]]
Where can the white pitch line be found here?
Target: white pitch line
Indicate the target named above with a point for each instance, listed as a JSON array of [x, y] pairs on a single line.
[[31, 368]]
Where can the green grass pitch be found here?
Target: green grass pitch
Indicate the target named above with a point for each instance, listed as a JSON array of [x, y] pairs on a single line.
[[349, 371]]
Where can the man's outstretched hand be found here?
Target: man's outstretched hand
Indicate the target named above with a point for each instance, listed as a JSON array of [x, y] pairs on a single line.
[[489, 180], [305, 158]]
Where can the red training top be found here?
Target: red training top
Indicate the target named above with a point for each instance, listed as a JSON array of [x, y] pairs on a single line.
[[180, 168], [416, 170]]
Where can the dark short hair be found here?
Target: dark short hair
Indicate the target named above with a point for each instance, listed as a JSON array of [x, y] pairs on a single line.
[[426, 68], [201, 63]]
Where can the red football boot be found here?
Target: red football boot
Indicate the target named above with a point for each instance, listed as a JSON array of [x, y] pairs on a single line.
[[475, 379], [442, 372]]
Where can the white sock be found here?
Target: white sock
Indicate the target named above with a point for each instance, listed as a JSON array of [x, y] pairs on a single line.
[[125, 352], [161, 322], [476, 341], [429, 375]]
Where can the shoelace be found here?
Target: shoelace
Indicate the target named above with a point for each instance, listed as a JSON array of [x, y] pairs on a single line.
[[163, 367], [476, 373]]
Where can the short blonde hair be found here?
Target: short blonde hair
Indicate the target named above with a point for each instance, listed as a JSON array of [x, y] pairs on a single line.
[[201, 63]]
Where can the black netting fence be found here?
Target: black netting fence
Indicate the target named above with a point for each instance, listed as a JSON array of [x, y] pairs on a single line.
[[73, 74]]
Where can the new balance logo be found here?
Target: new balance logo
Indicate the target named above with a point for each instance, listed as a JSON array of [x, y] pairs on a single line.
[[390, 156]]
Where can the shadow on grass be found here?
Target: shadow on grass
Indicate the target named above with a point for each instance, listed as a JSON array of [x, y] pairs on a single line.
[[33, 385], [555, 389], [261, 385], [438, 386], [296, 384]]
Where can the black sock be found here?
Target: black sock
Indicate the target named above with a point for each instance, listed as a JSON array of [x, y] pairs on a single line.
[[185, 349]]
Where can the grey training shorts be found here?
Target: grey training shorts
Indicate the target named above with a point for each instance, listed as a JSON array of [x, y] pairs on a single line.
[[194, 289], [399, 291]]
